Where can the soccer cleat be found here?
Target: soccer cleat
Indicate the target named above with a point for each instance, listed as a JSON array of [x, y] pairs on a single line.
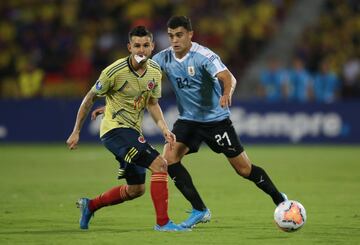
[[284, 196], [196, 217], [85, 213], [170, 226]]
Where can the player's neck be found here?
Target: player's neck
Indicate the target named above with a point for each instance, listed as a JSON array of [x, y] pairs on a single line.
[[138, 67], [180, 55]]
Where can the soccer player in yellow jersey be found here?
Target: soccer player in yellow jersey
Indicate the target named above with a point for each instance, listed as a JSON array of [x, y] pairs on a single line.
[[129, 85]]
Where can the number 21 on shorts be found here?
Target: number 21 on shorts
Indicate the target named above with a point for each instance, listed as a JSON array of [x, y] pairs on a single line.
[[220, 139]]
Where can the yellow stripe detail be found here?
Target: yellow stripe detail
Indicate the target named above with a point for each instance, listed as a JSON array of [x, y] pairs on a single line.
[[131, 154], [127, 154], [111, 73], [116, 67]]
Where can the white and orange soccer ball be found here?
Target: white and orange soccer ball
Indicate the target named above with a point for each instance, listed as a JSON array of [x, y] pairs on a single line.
[[290, 216]]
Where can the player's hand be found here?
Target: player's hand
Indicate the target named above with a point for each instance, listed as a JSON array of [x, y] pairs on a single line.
[[73, 140], [98, 111], [170, 138], [225, 101]]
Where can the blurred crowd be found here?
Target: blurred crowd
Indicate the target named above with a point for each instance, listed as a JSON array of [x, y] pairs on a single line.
[[57, 48], [297, 84], [326, 63]]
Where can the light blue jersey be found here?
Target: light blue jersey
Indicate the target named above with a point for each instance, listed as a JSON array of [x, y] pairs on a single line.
[[193, 80]]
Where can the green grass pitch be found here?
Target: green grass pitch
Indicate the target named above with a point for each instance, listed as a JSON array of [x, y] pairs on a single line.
[[40, 184]]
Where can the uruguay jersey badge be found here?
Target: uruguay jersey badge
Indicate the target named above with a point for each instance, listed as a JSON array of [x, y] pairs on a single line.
[[191, 71]]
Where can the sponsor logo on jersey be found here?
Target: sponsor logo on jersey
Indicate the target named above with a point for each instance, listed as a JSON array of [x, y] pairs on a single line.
[[151, 85], [141, 139], [191, 71], [98, 85]]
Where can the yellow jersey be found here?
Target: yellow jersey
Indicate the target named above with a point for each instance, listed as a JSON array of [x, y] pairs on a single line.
[[127, 93]]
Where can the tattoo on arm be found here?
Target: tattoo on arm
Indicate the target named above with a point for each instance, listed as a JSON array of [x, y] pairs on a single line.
[[84, 109]]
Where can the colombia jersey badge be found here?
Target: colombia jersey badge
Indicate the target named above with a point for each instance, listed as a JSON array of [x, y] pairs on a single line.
[[141, 139], [151, 85]]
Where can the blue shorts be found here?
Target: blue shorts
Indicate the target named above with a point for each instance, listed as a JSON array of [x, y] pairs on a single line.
[[132, 152]]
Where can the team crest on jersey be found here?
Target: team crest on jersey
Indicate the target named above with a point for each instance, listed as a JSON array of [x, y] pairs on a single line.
[[141, 139], [98, 85], [191, 70], [151, 85]]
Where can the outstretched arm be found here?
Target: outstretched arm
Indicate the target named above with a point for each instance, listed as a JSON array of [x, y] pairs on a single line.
[[229, 82], [83, 111], [157, 115]]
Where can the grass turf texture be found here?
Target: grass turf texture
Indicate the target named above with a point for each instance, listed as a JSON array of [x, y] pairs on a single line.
[[40, 184]]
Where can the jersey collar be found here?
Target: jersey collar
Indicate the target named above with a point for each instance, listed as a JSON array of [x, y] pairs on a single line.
[[192, 48]]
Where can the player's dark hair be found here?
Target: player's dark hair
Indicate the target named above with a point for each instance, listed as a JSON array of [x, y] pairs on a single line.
[[140, 31], [179, 21]]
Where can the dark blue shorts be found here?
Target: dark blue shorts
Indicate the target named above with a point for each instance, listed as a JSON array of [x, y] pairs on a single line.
[[132, 152]]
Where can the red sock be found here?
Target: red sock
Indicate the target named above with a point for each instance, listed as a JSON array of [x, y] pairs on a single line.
[[159, 196], [113, 196]]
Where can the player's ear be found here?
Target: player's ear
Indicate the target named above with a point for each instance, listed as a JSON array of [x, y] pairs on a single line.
[[191, 33], [129, 47]]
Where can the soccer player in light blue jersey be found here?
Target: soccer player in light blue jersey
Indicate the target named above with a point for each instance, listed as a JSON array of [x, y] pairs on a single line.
[[195, 73]]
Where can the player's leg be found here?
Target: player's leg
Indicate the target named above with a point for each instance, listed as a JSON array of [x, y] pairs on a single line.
[[256, 174], [157, 164], [135, 187], [181, 176], [187, 142], [115, 195], [222, 138], [116, 141], [140, 153]]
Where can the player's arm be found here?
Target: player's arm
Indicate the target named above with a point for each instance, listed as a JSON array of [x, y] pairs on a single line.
[[83, 111], [229, 83], [155, 111]]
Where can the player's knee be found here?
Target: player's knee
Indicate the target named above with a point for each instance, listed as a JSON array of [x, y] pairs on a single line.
[[171, 160], [169, 155], [135, 191], [244, 171], [159, 165], [242, 168], [174, 155]]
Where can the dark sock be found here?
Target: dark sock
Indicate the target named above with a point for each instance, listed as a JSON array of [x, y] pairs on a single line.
[[263, 181], [183, 182]]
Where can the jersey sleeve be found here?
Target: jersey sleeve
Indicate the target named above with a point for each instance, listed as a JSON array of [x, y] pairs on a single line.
[[102, 85], [213, 65], [158, 59]]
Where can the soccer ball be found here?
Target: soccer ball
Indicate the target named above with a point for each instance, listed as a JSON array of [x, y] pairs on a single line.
[[290, 215]]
